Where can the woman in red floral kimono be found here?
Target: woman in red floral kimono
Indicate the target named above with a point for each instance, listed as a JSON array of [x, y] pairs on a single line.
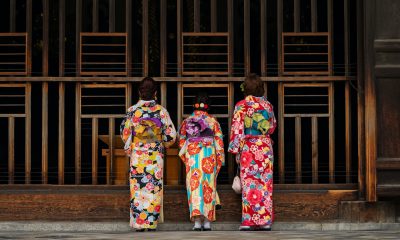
[[253, 123]]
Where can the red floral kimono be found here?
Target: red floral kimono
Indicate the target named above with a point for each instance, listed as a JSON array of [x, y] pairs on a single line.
[[252, 124]]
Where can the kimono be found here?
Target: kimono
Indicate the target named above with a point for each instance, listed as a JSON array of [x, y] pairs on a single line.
[[253, 123], [202, 152], [146, 131]]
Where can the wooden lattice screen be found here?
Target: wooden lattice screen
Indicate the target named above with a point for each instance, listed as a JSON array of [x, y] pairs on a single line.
[[103, 54], [306, 54], [13, 54], [205, 53]]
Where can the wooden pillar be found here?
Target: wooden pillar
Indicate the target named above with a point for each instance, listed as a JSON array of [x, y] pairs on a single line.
[[280, 30], [281, 134], [78, 133], [298, 149], [61, 38], [196, 16], [28, 140], [314, 16], [78, 26], [145, 37], [95, 16], [179, 35], [11, 149], [13, 15], [314, 149], [214, 16], [230, 33], [128, 26], [331, 134], [95, 149], [296, 15], [29, 36], [45, 45], [61, 132], [111, 16], [263, 37], [110, 160], [246, 37], [45, 131]]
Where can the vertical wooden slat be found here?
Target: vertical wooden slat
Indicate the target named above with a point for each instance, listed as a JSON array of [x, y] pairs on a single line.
[[110, 160], [314, 149], [78, 133], [280, 30], [28, 142], [246, 37], [145, 37], [231, 102], [128, 29], [61, 132], [78, 26], [330, 32], [214, 16], [298, 149], [263, 37], [281, 132], [348, 132], [230, 33], [179, 35], [11, 149], [45, 131], [29, 36], [45, 45], [61, 38], [296, 14], [164, 94], [314, 16], [196, 27], [163, 37], [346, 38], [95, 148], [13, 15], [360, 100], [95, 16], [111, 16], [331, 135], [179, 122], [128, 95]]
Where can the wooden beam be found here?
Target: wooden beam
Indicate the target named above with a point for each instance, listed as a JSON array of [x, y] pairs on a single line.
[[214, 16], [95, 16], [61, 38], [13, 15], [314, 16], [281, 134], [29, 21], [95, 149], [246, 37], [78, 26], [370, 101], [78, 133], [128, 29], [28, 139], [263, 37], [45, 131], [111, 16], [331, 134], [61, 132], [145, 37], [196, 14], [11, 150], [314, 149], [296, 15], [163, 38], [298, 149], [46, 42]]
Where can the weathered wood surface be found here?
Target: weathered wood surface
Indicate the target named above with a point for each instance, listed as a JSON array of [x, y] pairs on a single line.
[[112, 203]]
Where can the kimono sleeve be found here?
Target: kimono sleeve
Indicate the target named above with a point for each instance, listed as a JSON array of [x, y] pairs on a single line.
[[237, 129], [271, 120], [219, 146], [182, 140], [168, 132], [126, 131]]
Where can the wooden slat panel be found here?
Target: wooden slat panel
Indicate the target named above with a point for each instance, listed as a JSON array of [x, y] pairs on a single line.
[[95, 149], [298, 149], [11, 149], [45, 131], [78, 133], [314, 149], [331, 135], [28, 139], [61, 132]]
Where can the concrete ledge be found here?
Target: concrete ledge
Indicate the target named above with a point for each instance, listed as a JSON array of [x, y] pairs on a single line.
[[66, 226]]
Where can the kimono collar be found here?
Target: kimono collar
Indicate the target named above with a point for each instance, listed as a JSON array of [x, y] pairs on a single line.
[[251, 98], [147, 103], [200, 112]]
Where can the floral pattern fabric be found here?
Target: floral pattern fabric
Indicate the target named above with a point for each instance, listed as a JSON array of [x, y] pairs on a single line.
[[252, 124], [146, 131], [202, 151]]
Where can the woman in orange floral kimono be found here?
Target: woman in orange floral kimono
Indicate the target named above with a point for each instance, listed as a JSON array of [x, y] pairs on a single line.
[[202, 151], [146, 130], [253, 123]]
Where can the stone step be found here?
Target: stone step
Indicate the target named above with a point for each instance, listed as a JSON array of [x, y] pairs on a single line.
[[77, 226]]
